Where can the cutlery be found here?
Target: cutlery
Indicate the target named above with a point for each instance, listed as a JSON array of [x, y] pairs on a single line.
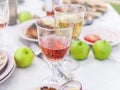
[[113, 57], [21, 2], [37, 51], [88, 21], [62, 71]]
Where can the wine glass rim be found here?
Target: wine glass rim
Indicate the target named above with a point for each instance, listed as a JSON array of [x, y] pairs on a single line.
[[61, 5], [53, 29]]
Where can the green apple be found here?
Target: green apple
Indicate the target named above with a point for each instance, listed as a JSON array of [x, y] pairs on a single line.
[[79, 50], [23, 56], [102, 49], [24, 16]]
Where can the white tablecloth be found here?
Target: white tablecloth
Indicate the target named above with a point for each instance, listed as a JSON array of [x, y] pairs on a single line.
[[93, 74]]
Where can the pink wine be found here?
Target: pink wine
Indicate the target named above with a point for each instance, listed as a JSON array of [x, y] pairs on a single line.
[[54, 48], [3, 23]]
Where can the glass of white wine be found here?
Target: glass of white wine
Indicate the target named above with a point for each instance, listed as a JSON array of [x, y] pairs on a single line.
[[66, 14]]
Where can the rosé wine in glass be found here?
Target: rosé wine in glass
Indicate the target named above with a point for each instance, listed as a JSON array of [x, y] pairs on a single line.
[[3, 23], [54, 47], [54, 44]]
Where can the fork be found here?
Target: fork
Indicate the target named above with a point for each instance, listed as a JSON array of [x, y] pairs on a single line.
[[37, 51], [62, 72]]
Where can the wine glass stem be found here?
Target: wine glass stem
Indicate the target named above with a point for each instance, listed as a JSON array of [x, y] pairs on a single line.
[[54, 71]]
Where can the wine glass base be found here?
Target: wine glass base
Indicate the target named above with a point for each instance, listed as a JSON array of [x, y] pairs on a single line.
[[49, 82], [70, 63]]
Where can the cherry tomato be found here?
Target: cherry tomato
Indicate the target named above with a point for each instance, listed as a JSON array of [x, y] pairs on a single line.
[[92, 38]]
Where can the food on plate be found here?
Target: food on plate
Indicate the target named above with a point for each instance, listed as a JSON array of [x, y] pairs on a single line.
[[31, 32], [93, 9], [2, 57], [79, 50], [46, 22], [23, 56], [101, 49], [47, 88], [24, 16], [92, 38], [66, 1]]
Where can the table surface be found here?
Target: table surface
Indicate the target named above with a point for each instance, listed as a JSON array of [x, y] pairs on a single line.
[[93, 74]]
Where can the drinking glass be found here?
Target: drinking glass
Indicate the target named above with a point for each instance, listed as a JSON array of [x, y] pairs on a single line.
[[54, 43], [71, 85], [66, 14], [4, 18]]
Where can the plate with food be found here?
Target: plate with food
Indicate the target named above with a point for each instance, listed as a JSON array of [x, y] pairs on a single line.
[[29, 33], [93, 9], [3, 60], [92, 34]]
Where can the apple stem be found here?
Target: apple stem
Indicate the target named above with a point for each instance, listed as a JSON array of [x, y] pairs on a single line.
[[80, 43], [26, 52]]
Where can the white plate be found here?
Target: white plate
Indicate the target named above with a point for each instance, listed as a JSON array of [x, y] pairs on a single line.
[[105, 32], [9, 67], [23, 31], [8, 75], [4, 62]]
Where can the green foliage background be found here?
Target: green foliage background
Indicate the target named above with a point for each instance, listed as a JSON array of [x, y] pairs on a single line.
[[116, 7]]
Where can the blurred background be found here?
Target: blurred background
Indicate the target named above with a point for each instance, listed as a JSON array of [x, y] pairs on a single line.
[[37, 8]]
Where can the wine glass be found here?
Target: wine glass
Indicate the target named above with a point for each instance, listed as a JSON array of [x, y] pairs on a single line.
[[54, 44], [66, 14], [71, 85], [4, 19]]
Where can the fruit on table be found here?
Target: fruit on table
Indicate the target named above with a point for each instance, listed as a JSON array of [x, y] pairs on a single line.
[[92, 38], [24, 16], [23, 56], [79, 50], [101, 49]]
